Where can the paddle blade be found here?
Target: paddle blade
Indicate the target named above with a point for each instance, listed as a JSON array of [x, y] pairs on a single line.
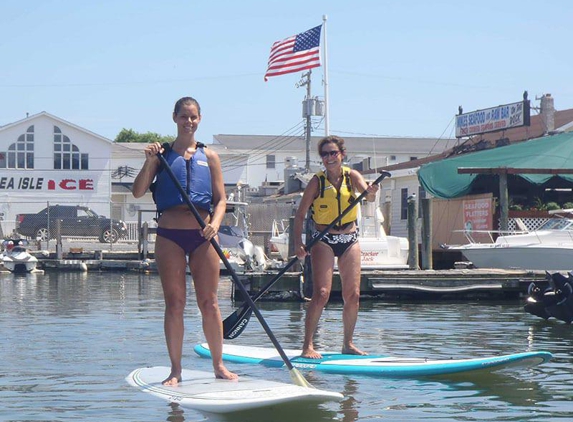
[[298, 379], [236, 323]]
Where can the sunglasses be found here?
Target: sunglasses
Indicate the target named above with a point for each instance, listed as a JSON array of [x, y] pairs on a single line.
[[325, 154]]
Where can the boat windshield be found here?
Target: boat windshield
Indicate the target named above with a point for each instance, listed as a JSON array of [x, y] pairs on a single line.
[[557, 224]]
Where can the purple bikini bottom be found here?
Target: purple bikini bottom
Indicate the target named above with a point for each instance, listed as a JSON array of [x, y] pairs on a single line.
[[186, 239]]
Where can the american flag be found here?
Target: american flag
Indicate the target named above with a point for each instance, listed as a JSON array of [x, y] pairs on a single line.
[[296, 53]]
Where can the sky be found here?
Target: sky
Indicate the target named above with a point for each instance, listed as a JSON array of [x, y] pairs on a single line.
[[395, 68]]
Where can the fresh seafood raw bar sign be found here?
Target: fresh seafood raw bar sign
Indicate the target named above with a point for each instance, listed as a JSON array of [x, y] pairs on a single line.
[[493, 119]]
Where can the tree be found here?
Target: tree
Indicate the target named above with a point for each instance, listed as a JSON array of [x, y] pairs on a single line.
[[129, 135]]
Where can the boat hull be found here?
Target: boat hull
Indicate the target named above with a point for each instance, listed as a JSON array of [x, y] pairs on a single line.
[[16, 258], [542, 258], [24, 264]]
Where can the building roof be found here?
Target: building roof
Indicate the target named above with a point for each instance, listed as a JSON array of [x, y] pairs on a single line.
[[58, 119], [386, 145], [536, 129], [135, 149]]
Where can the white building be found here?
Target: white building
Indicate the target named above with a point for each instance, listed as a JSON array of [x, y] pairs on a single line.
[[45, 159], [261, 158]]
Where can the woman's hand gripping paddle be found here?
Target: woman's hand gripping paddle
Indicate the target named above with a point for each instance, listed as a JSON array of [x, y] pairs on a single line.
[[296, 376], [235, 323]]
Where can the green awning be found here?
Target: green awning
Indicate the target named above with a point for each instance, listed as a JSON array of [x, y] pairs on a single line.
[[441, 178]]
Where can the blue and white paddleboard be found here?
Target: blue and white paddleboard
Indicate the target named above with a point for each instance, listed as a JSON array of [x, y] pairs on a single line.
[[377, 365], [200, 390]]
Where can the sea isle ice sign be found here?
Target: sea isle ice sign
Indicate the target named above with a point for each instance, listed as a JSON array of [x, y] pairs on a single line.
[[63, 184]]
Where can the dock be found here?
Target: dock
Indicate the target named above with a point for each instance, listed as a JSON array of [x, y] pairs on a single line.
[[409, 284], [448, 284], [94, 261]]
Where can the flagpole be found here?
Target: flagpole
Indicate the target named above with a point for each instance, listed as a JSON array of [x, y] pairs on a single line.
[[325, 57]]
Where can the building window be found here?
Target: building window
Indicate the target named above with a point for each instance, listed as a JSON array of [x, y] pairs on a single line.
[[358, 166], [20, 154], [404, 204], [67, 156], [392, 158], [271, 160]]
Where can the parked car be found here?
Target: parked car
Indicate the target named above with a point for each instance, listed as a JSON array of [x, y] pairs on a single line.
[[74, 220]]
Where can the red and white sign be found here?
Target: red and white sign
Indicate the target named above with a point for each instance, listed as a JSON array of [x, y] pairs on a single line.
[[493, 119], [47, 184], [478, 214]]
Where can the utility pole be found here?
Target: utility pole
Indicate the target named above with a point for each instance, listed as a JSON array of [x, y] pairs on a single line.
[[307, 114], [311, 106]]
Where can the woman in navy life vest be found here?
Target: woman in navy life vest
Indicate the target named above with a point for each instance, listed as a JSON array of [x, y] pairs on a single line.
[[327, 195], [179, 234]]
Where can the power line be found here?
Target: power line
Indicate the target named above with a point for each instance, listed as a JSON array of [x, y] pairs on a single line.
[[271, 146]]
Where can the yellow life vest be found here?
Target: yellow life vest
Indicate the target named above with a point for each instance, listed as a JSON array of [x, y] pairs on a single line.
[[330, 203]]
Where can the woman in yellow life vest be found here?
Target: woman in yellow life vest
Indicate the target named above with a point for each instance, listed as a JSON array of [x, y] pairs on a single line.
[[327, 195]]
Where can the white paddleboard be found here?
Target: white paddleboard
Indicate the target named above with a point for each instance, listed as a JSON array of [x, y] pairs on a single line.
[[200, 390]]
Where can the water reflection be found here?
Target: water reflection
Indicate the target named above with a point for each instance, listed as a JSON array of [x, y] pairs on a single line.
[[69, 339], [349, 406], [503, 385], [281, 413], [176, 414]]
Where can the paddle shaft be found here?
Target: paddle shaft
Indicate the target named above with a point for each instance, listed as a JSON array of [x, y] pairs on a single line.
[[217, 248], [317, 238], [235, 323]]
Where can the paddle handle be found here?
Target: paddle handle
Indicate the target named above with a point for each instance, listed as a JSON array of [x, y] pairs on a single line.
[[227, 263]]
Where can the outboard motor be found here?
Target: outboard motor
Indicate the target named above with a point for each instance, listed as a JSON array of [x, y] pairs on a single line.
[[554, 301], [563, 308], [255, 258], [536, 302]]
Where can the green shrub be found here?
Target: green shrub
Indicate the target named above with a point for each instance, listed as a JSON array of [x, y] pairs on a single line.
[[552, 206]]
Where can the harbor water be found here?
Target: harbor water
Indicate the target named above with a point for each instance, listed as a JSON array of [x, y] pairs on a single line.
[[70, 339]]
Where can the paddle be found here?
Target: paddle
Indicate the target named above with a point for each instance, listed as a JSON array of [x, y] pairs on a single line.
[[295, 375], [235, 323]]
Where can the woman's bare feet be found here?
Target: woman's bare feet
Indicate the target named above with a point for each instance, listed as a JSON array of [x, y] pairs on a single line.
[[310, 353], [223, 373], [172, 380], [351, 349]]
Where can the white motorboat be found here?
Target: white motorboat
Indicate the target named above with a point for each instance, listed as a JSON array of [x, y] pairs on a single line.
[[378, 250], [241, 253], [550, 247], [280, 238], [16, 258]]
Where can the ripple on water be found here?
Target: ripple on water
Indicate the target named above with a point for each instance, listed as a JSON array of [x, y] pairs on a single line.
[[70, 340]]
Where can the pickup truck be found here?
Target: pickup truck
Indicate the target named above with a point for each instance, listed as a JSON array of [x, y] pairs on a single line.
[[74, 220]]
